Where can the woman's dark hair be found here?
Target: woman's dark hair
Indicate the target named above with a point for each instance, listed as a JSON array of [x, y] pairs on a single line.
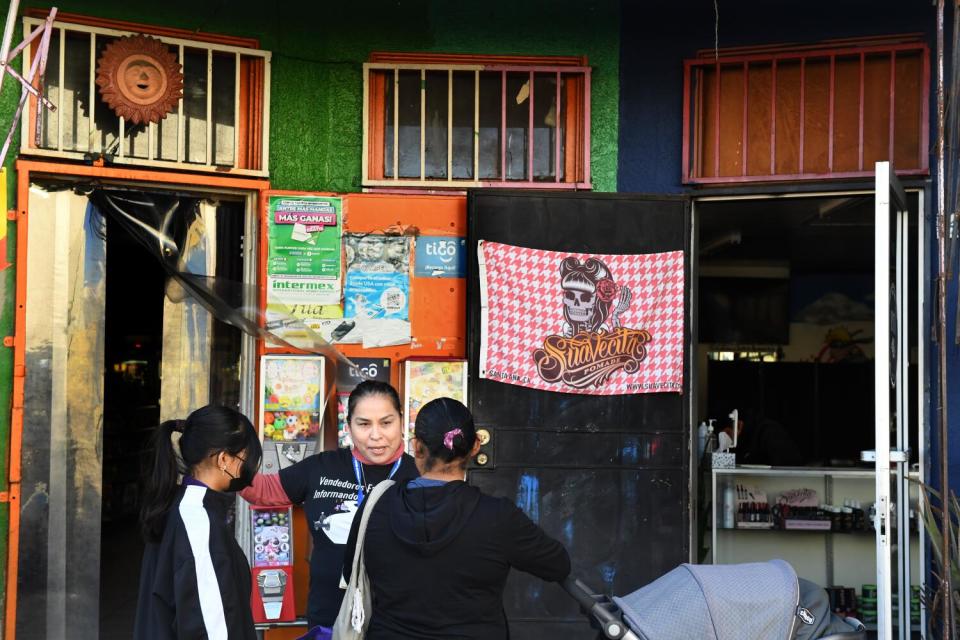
[[372, 388], [445, 427], [207, 431]]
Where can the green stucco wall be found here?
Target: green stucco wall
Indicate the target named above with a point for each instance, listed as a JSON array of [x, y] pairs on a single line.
[[318, 50], [319, 47]]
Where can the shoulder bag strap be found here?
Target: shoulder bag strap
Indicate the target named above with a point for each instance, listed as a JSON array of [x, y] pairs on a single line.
[[368, 506]]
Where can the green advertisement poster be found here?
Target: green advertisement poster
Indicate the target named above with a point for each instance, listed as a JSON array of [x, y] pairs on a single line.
[[304, 236]]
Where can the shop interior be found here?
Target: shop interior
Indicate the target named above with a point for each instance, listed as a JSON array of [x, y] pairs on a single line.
[[151, 332], [786, 337]]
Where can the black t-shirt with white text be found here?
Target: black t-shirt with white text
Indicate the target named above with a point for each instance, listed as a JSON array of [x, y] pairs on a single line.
[[326, 485]]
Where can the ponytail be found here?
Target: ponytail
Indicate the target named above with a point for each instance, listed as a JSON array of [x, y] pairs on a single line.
[[179, 446], [160, 482]]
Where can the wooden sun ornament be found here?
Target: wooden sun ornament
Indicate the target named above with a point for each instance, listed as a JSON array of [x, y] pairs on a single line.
[[140, 79]]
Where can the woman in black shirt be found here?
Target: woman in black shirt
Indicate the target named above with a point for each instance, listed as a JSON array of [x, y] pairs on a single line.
[[331, 485], [438, 551]]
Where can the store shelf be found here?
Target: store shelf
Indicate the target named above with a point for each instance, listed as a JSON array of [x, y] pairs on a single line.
[[822, 556], [857, 534], [797, 472]]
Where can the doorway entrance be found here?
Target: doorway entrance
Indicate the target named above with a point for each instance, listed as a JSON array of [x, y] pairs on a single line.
[[788, 335], [114, 346]]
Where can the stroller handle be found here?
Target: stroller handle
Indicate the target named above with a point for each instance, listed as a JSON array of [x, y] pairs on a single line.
[[599, 607]]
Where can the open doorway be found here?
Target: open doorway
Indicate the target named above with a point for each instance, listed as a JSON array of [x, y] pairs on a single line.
[[786, 336], [149, 335]]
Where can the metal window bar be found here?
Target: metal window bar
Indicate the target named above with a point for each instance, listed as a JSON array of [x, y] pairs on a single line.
[[503, 127], [396, 124], [529, 171], [773, 117], [863, 65], [746, 121], [423, 124], [803, 110], [561, 73], [556, 133], [833, 101], [450, 124], [154, 154], [716, 124], [476, 125], [60, 93], [210, 125], [696, 114]]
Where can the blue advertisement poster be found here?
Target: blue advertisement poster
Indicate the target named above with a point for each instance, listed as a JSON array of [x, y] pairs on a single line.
[[441, 257], [376, 296]]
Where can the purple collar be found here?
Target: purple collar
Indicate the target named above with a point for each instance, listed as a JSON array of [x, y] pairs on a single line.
[[189, 480]]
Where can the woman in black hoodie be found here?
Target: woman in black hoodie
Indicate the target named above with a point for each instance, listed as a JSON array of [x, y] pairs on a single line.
[[438, 551]]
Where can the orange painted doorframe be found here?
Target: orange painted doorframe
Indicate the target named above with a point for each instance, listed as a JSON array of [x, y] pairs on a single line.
[[26, 169]]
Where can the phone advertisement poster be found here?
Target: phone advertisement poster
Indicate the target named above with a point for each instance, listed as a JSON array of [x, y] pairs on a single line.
[[291, 402], [426, 380]]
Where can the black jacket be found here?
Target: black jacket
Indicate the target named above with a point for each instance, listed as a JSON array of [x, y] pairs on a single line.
[[195, 582], [438, 559], [326, 485]]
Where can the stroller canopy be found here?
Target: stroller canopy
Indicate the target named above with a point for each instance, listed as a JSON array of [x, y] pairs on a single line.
[[718, 602]]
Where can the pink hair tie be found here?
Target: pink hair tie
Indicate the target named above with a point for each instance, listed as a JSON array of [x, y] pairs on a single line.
[[449, 436]]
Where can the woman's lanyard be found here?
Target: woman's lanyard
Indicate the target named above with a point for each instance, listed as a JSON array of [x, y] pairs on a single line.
[[358, 471]]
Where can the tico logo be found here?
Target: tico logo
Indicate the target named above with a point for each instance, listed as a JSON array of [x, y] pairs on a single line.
[[440, 256], [594, 344], [444, 250]]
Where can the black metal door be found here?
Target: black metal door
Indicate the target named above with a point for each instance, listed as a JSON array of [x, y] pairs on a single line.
[[608, 476]]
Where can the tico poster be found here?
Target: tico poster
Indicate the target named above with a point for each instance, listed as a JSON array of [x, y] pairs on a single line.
[[581, 323], [303, 259]]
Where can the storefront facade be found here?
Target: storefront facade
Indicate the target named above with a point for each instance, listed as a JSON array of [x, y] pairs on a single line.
[[346, 109]]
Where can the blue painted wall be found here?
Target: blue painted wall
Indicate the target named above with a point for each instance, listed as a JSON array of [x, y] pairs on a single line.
[[657, 35]]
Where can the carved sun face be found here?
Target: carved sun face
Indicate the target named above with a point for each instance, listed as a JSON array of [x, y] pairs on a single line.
[[140, 79]]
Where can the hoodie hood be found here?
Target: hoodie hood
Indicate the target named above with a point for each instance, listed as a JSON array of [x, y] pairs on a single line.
[[430, 518]]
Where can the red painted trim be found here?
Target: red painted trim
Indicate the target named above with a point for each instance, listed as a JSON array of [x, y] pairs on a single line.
[[525, 62], [587, 125], [893, 93], [170, 32], [797, 53], [925, 111], [143, 175], [685, 170], [797, 177], [880, 41]]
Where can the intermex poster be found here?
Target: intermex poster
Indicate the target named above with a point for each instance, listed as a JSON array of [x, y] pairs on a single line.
[[581, 323], [303, 260]]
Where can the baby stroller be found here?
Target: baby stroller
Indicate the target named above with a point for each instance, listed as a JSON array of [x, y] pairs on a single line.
[[763, 600]]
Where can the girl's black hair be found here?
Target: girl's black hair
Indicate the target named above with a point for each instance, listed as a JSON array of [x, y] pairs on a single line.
[[372, 388], [445, 427], [207, 431]]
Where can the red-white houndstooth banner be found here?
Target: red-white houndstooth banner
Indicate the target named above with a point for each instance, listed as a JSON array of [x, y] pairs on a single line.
[[581, 323]]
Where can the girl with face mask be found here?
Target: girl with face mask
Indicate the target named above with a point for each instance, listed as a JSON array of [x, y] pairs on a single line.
[[331, 485], [195, 578]]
